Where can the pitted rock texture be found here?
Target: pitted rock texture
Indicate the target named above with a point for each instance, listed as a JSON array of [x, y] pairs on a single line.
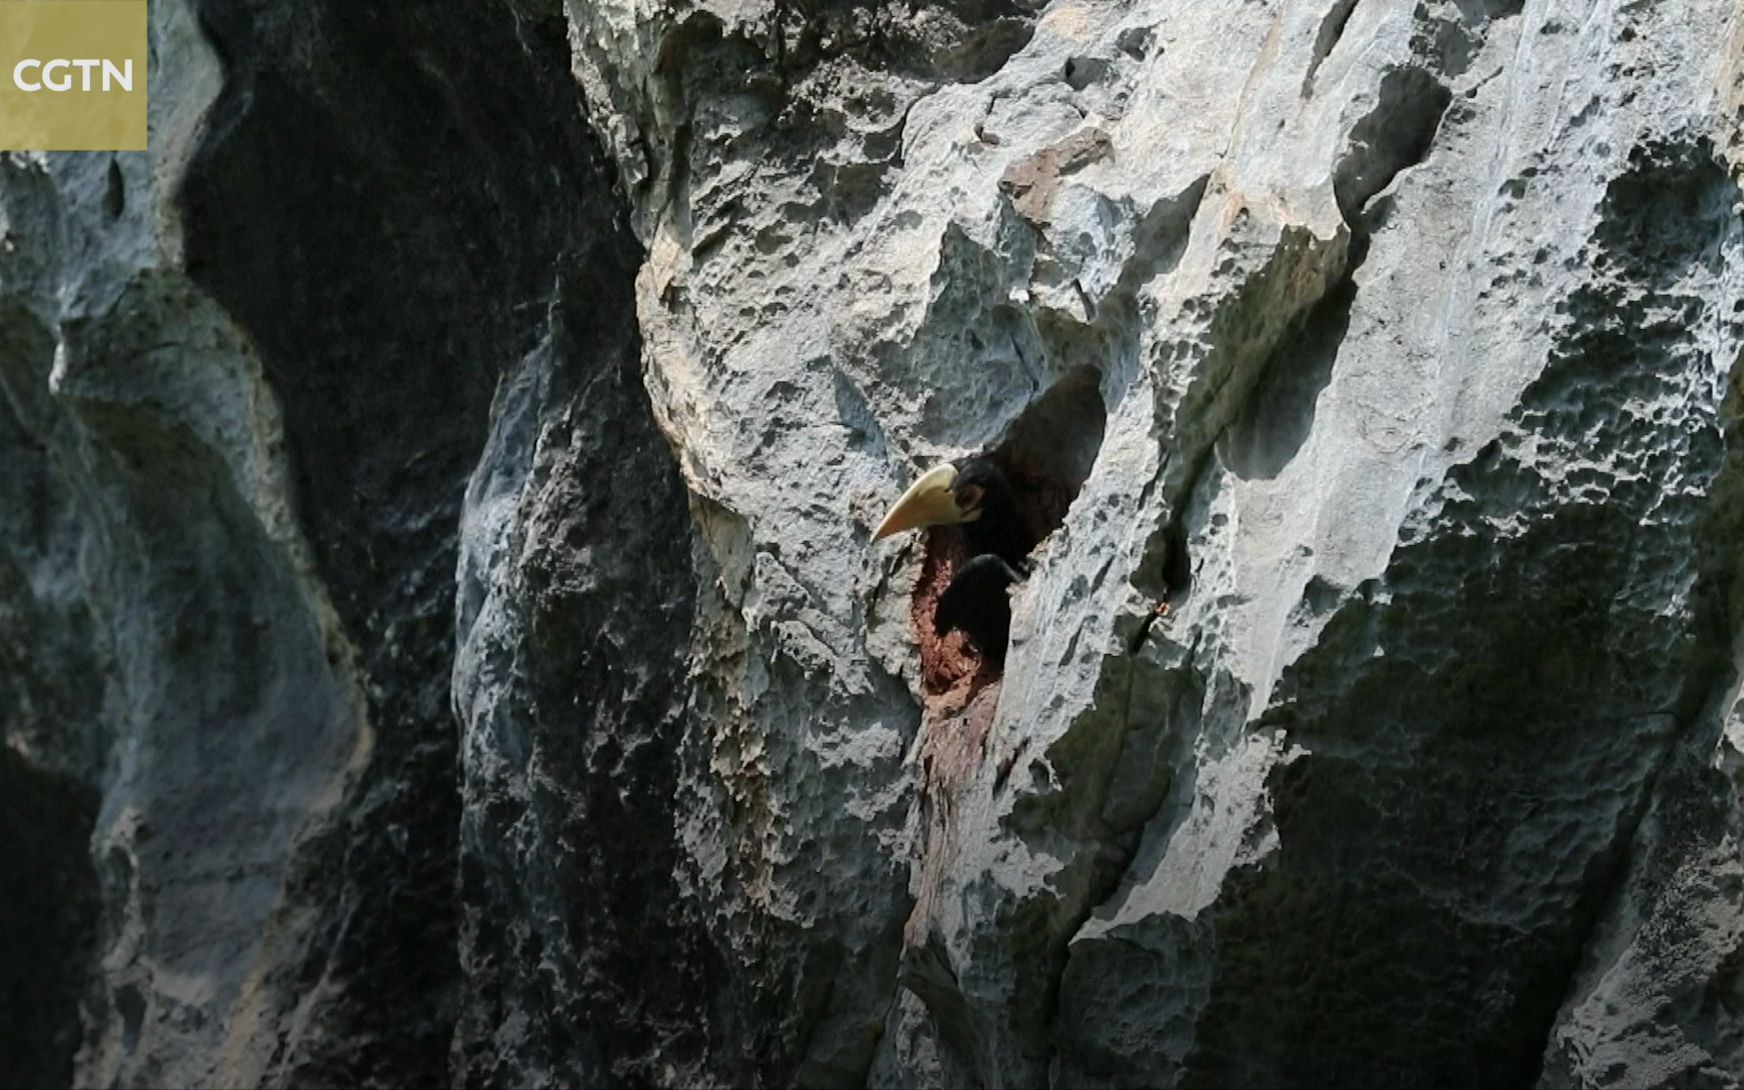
[[1412, 328], [440, 639]]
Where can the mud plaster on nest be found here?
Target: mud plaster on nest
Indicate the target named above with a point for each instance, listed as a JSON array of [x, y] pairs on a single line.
[[955, 743], [952, 670]]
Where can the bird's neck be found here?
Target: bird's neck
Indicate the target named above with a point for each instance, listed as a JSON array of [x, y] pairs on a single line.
[[1001, 531]]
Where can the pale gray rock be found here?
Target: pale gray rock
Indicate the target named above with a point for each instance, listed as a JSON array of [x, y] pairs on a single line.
[[1411, 326]]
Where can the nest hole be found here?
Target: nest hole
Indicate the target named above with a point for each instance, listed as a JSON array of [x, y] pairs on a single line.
[[1049, 452], [1046, 455]]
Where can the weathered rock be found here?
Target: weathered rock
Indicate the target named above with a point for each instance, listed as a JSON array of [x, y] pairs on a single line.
[[1411, 326], [1392, 347], [247, 378]]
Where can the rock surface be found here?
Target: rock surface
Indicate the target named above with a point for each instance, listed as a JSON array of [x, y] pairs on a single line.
[[440, 640]]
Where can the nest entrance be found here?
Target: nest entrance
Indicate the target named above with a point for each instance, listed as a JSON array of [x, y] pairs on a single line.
[[1046, 456]]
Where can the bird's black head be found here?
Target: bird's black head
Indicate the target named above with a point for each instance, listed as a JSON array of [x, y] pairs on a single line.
[[991, 520], [980, 487], [972, 493]]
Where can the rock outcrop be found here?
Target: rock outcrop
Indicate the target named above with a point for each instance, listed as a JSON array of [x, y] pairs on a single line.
[[440, 639]]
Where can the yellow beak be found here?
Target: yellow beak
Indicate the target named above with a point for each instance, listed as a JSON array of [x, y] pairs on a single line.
[[928, 502]]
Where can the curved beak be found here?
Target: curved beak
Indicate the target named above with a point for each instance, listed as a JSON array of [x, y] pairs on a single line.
[[928, 502]]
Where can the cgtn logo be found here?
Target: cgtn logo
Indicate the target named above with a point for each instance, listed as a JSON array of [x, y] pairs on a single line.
[[74, 75], [32, 75]]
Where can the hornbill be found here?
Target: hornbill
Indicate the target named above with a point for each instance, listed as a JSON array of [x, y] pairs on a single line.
[[973, 493]]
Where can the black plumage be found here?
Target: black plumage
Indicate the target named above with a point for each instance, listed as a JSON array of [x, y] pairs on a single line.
[[993, 524], [978, 604], [998, 542]]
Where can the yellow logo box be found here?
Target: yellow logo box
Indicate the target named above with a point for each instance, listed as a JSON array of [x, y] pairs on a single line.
[[72, 75]]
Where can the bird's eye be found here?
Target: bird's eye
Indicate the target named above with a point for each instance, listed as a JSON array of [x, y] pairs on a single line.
[[969, 497]]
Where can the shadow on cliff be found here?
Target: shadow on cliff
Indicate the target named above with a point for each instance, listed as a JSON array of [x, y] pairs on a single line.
[[386, 224]]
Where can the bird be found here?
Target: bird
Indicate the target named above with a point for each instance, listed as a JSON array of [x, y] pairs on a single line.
[[971, 493]]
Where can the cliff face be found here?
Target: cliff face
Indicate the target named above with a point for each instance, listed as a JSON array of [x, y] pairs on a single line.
[[440, 640]]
